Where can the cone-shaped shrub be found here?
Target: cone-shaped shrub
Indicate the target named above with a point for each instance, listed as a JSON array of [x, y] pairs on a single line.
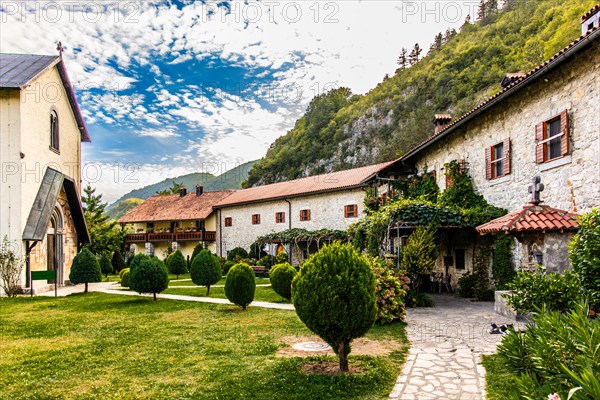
[[149, 276], [105, 265], [334, 295], [196, 251], [177, 264], [240, 285], [206, 270], [124, 277], [281, 277], [135, 260], [117, 262], [85, 269]]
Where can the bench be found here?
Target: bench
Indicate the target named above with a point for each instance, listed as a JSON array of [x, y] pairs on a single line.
[[260, 271]]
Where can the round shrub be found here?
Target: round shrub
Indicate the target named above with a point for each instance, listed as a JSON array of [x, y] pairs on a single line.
[[137, 259], [177, 264], [240, 285], [237, 254], [281, 278], [85, 269], [117, 262], [334, 295], [124, 277], [206, 270], [227, 266], [149, 276], [282, 258], [267, 261], [105, 265]]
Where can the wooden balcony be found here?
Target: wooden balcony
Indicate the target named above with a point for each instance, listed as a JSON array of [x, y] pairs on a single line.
[[193, 236]]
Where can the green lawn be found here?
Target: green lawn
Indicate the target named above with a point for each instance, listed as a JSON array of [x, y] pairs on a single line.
[[262, 293], [100, 346], [499, 382]]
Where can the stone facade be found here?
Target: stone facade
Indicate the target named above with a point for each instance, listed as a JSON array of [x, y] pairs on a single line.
[[572, 182], [326, 212]]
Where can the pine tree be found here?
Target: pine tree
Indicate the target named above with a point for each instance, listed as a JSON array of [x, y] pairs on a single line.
[[415, 54], [466, 23], [105, 265], [177, 264], [85, 269], [174, 189], [117, 261], [104, 234], [402, 59], [481, 11], [437, 43], [491, 7], [450, 33]]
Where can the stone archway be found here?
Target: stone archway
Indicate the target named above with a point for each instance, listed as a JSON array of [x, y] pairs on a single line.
[[55, 259]]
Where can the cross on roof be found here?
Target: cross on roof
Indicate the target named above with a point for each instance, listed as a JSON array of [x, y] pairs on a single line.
[[60, 48], [535, 190]]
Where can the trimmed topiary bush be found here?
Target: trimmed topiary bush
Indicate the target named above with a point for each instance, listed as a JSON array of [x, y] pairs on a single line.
[[149, 276], [85, 269], [227, 266], [124, 277], [206, 270], [196, 251], [282, 258], [237, 254], [105, 265], [240, 285], [117, 262], [137, 259], [267, 261], [334, 295], [281, 278], [177, 264]]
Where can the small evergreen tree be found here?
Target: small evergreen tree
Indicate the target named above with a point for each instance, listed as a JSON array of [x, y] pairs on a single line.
[[196, 251], [437, 42], [85, 269], [174, 189], [206, 270], [334, 295], [117, 262], [105, 265], [481, 11], [281, 277], [402, 59], [149, 276], [104, 233], [177, 264], [240, 285], [415, 54], [419, 254]]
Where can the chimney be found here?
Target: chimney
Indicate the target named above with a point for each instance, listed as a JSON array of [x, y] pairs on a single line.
[[182, 192], [511, 78], [590, 20], [441, 122], [199, 190]]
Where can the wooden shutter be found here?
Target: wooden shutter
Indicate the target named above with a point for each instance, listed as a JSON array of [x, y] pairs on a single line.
[[539, 146], [488, 162], [506, 146], [308, 219], [564, 127]]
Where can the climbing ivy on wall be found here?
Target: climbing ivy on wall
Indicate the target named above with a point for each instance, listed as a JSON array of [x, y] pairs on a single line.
[[503, 268]]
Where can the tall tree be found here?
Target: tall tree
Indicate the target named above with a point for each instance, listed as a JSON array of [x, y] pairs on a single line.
[[402, 59], [437, 42], [449, 34], [481, 11], [174, 189], [415, 54], [491, 7], [466, 23], [105, 236]]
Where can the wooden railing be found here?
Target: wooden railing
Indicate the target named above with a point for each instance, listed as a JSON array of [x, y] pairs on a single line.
[[209, 236]]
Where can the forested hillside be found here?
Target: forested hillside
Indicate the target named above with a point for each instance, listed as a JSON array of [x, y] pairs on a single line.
[[341, 130]]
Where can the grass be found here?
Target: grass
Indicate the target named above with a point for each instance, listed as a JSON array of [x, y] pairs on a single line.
[[262, 293], [117, 347], [498, 380]]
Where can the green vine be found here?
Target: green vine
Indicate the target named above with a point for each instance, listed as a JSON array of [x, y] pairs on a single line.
[[503, 269], [296, 235]]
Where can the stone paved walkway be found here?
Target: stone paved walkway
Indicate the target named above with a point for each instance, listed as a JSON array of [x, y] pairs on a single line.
[[447, 342]]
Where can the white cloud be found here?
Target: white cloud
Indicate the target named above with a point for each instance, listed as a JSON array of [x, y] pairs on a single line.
[[158, 133]]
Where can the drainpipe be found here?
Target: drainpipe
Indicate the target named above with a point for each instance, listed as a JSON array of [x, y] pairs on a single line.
[[220, 233], [289, 223]]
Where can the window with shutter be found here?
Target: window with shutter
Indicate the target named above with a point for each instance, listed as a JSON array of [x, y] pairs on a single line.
[[351, 211], [256, 219], [552, 138], [228, 221], [280, 217], [506, 157], [488, 163], [304, 215]]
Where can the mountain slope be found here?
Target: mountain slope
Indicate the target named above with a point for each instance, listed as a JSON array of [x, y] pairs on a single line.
[[338, 133], [231, 179]]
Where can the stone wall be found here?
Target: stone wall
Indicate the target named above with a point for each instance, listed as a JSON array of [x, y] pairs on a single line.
[[571, 183], [327, 212]]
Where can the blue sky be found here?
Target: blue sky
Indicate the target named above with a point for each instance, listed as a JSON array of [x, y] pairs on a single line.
[[173, 87]]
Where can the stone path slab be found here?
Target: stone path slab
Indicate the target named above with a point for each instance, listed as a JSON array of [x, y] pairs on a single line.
[[447, 341]]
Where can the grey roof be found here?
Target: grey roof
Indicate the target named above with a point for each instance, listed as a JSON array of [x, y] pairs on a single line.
[[16, 70], [44, 203]]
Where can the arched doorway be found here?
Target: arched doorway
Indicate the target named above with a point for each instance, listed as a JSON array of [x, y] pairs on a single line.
[[55, 246]]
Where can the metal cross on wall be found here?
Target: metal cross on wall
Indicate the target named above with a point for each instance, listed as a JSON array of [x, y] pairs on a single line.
[[535, 190]]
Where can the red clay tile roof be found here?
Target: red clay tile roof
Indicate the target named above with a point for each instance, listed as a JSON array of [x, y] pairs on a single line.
[[517, 85], [590, 13], [334, 181], [532, 218], [175, 208]]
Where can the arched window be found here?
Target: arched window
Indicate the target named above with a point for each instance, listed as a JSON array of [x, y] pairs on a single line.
[[54, 134]]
